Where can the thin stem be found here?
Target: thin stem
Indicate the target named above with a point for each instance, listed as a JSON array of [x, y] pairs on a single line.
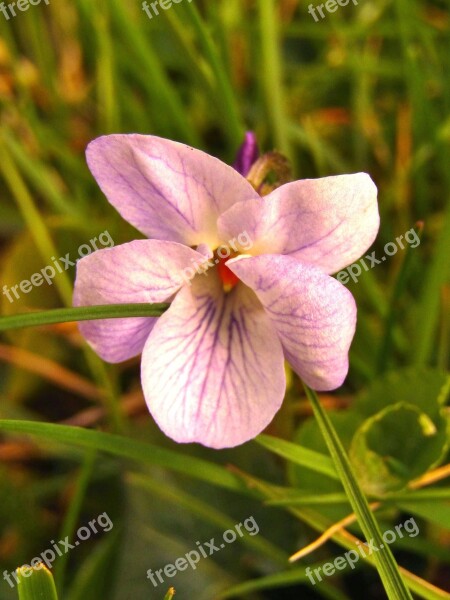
[[82, 313], [387, 567]]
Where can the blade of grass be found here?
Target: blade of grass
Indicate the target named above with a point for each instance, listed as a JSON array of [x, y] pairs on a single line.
[[299, 455], [208, 513], [386, 345], [40, 177], [82, 313], [106, 76], [33, 219], [307, 499], [225, 94], [125, 447], [342, 537], [39, 230], [36, 583], [387, 567], [278, 580], [158, 83], [73, 513], [272, 74], [428, 310]]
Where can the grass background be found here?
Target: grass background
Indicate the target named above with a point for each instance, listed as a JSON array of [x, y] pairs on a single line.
[[365, 89]]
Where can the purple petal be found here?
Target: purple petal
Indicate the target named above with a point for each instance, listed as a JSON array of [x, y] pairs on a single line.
[[167, 190], [140, 271], [247, 154], [314, 315], [212, 369], [327, 223]]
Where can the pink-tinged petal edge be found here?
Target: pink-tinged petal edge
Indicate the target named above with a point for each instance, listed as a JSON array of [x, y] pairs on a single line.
[[314, 315], [138, 272], [167, 190], [212, 369], [328, 223]]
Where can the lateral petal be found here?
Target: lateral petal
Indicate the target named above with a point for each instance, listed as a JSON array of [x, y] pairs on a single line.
[[140, 271], [314, 315], [328, 223]]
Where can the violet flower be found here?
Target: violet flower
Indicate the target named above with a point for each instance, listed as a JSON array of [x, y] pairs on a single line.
[[212, 366]]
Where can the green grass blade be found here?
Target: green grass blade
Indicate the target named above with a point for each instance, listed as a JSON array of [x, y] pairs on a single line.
[[299, 455], [385, 561], [73, 513], [36, 583], [308, 499], [32, 218], [278, 580], [394, 311], [125, 447], [225, 94], [320, 523], [159, 85], [272, 75], [82, 313], [428, 311], [208, 513]]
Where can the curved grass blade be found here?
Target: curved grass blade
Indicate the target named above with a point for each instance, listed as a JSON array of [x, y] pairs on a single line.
[[277, 580], [125, 447], [82, 313], [384, 559]]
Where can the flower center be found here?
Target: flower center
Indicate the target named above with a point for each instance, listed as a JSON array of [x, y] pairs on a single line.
[[228, 278]]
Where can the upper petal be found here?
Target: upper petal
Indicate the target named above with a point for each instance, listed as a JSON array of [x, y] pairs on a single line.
[[167, 190], [140, 271], [212, 368], [314, 315], [326, 222]]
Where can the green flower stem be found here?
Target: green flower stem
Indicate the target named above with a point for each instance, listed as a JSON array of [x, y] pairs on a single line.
[[82, 313], [36, 583], [385, 562]]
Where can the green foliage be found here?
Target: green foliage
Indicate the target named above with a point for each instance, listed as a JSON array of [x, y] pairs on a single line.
[[364, 89], [36, 583]]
